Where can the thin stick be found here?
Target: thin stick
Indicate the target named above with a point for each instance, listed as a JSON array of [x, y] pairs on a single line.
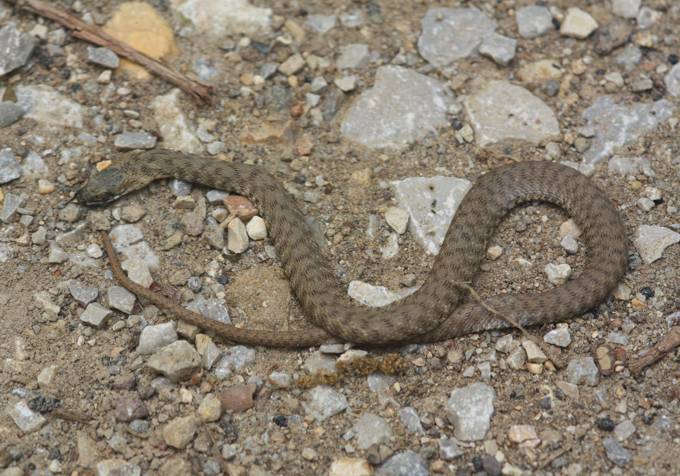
[[94, 34], [670, 342]]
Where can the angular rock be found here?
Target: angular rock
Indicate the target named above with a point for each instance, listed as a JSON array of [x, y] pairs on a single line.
[[103, 57], [9, 167], [180, 432], [211, 308], [449, 34], [15, 48], [177, 361], [402, 107], [26, 419], [154, 337], [499, 48], [431, 203], [616, 453], [173, 125], [95, 315], [46, 105], [651, 241], [577, 24], [346, 466], [371, 430], [616, 125], [672, 80], [9, 113], [374, 296], [533, 21], [626, 8], [134, 140], [322, 402], [582, 370], [238, 398], [406, 463], [559, 336], [34, 166], [121, 299], [470, 409], [116, 467], [225, 17], [505, 111], [353, 56], [411, 420]]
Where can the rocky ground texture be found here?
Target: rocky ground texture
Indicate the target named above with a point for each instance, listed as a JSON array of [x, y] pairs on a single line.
[[377, 116]]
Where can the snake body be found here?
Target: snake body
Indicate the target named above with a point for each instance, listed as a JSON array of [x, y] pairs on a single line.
[[439, 309]]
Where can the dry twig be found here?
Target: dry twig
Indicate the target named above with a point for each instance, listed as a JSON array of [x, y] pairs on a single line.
[[94, 34], [655, 353]]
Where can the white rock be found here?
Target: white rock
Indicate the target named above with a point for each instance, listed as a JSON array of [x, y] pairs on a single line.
[[505, 111], [46, 105], [173, 125], [257, 228], [154, 337], [559, 336], [322, 402], [355, 55], [499, 48], [533, 21], [374, 296], [397, 218], [569, 244], [652, 241], [578, 24], [626, 8], [225, 17], [371, 430], [469, 409], [672, 80], [237, 236], [557, 273], [26, 419]]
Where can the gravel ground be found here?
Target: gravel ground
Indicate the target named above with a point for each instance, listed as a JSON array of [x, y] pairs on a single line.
[[377, 116]]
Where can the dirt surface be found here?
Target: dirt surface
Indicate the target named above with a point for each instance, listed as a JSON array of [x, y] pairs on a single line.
[[98, 368]]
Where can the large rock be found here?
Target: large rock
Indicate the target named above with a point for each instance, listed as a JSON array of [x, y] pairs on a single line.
[[449, 34], [15, 48], [46, 105], [505, 111], [469, 409], [225, 17], [402, 107]]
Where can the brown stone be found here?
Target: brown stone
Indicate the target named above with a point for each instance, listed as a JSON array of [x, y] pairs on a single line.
[[238, 398]]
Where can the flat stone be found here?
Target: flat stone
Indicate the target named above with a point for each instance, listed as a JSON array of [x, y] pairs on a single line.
[[321, 23], [582, 370], [15, 48], [578, 24], [614, 34], [346, 466], [134, 140], [469, 409], [212, 308], [346, 84], [371, 430], [558, 274], [322, 402], [34, 166], [559, 336], [210, 409], [373, 296], [318, 362], [616, 453], [651, 241], [46, 105], [533, 21], [626, 8], [506, 111], [103, 57], [237, 236], [672, 80], [179, 432], [121, 299], [499, 48], [431, 203], [624, 430], [292, 65], [450, 34], [235, 358], [351, 56], [154, 337], [177, 361], [406, 463], [116, 467], [173, 125], [409, 417], [402, 107], [647, 17], [24, 418], [629, 57], [225, 17], [95, 315], [9, 113], [208, 350], [616, 125], [238, 398], [522, 433], [534, 353], [10, 169], [449, 449]]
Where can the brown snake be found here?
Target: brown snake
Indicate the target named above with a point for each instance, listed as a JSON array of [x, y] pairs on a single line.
[[438, 310]]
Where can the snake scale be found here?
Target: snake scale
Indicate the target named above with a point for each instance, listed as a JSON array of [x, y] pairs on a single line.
[[440, 309]]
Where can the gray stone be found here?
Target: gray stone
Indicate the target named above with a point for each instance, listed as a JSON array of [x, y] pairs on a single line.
[[411, 420], [177, 361], [211, 308], [374, 296], [83, 294], [616, 453], [26, 419], [449, 34], [345, 84], [630, 166], [34, 166], [672, 81], [469, 409], [505, 111], [56, 255], [46, 105], [406, 463], [352, 19], [569, 244], [651, 241], [15, 48], [629, 57], [534, 353], [558, 274], [582, 371], [617, 338], [9, 113], [116, 467], [322, 402], [559, 336], [219, 18], [173, 125], [95, 315], [353, 56], [321, 23], [431, 203], [499, 48], [577, 24], [626, 8], [121, 299], [10, 205], [371, 430], [234, 359], [318, 362], [647, 17], [216, 197], [6, 252], [533, 21], [134, 140], [103, 57], [624, 430], [9, 167], [180, 188], [616, 125], [402, 107], [448, 449], [154, 337]]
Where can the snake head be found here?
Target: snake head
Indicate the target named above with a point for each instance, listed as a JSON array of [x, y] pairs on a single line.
[[103, 187]]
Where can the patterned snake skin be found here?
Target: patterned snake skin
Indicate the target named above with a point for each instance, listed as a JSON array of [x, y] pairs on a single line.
[[439, 309]]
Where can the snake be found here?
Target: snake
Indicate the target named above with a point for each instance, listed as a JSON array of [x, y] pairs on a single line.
[[441, 308]]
